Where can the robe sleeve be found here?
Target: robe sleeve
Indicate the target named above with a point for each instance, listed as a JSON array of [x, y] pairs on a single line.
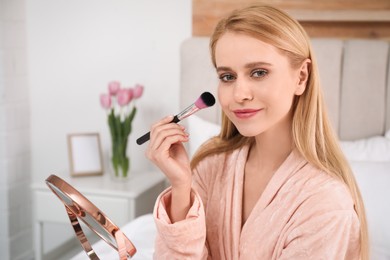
[[331, 235], [184, 239]]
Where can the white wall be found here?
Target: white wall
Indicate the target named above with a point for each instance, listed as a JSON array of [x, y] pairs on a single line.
[[15, 208], [75, 47], [15, 195], [4, 240]]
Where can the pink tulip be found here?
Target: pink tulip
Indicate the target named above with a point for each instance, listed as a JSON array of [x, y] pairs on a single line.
[[113, 87], [105, 101], [130, 93], [123, 97], [138, 91]]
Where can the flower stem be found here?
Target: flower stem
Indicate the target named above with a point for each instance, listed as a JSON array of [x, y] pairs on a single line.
[[120, 131]]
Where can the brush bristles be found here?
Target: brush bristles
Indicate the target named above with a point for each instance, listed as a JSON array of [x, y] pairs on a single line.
[[205, 100]]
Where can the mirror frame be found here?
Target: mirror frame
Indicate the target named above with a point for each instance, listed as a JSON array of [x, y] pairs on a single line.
[[80, 208]]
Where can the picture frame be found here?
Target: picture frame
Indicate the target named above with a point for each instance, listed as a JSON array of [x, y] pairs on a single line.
[[85, 154]]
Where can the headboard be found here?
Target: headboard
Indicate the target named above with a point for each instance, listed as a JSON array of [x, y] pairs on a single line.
[[354, 75]]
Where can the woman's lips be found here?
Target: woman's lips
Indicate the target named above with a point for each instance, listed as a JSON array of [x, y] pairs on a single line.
[[245, 113]]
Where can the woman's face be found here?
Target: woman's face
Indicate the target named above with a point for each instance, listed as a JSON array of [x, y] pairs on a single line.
[[256, 84]]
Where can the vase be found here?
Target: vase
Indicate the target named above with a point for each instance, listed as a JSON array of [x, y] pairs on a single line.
[[119, 161]]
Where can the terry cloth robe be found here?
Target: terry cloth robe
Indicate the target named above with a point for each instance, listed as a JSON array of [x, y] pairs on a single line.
[[303, 213]]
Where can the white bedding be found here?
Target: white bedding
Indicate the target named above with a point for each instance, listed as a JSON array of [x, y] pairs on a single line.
[[374, 180]]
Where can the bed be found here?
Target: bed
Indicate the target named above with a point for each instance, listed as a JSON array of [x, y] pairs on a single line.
[[355, 75]]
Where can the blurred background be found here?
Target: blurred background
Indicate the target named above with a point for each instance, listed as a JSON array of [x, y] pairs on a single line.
[[57, 56]]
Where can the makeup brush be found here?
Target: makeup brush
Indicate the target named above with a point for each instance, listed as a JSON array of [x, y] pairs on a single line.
[[205, 100]]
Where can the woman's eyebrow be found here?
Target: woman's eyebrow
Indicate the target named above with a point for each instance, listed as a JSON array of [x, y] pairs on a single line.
[[219, 69], [257, 64], [248, 66]]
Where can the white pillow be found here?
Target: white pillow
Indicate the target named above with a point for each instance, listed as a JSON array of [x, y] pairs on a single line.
[[388, 134], [374, 149], [373, 179], [200, 130]]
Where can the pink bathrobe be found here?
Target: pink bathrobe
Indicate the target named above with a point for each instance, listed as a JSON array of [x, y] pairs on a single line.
[[303, 213]]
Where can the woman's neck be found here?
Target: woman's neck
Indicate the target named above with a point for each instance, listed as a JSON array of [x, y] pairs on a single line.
[[271, 148]]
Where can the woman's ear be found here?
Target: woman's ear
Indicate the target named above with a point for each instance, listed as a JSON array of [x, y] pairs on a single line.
[[304, 72]]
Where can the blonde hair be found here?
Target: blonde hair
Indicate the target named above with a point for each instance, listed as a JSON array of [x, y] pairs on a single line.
[[313, 135]]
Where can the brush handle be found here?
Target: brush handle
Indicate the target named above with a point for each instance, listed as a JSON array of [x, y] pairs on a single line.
[[146, 136], [143, 138]]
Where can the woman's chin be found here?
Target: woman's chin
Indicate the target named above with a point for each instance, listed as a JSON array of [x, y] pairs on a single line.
[[248, 132]]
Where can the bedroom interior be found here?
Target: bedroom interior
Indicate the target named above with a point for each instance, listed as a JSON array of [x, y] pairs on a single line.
[[351, 42]]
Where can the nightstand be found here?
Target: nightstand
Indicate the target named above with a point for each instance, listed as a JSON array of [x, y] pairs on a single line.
[[120, 201]]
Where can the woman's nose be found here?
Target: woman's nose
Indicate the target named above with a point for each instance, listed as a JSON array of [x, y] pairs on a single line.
[[242, 91]]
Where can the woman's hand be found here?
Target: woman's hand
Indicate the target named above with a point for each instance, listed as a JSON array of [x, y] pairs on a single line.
[[166, 151]]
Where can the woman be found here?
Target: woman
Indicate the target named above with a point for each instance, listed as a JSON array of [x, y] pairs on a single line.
[[274, 184]]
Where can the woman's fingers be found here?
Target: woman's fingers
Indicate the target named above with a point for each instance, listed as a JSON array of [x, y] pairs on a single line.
[[170, 140], [164, 121], [163, 135], [159, 134]]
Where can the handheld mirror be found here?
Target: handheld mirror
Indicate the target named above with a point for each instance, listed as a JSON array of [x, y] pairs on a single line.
[[78, 207]]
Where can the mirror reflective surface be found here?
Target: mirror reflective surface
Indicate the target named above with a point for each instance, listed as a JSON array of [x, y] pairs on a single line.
[[80, 208]]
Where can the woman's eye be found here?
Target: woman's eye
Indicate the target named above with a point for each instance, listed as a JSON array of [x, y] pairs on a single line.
[[226, 77], [259, 73]]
